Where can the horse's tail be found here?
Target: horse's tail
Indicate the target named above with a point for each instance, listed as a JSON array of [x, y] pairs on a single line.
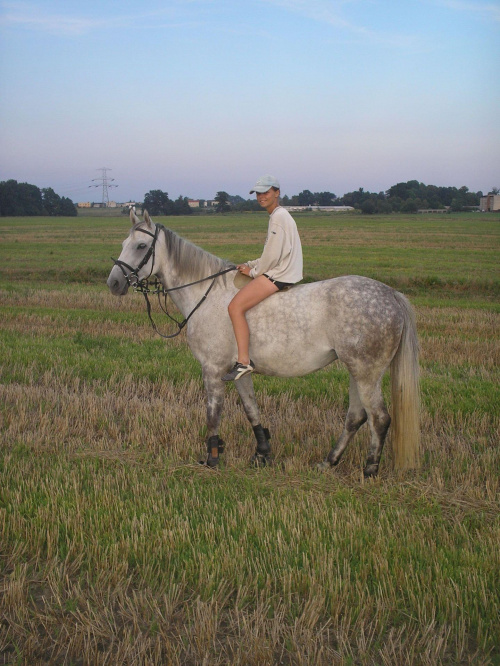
[[405, 393]]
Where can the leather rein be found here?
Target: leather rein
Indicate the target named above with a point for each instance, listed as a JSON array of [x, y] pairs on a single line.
[[145, 287]]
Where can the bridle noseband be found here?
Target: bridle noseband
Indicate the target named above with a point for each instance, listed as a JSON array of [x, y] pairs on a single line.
[[143, 286]]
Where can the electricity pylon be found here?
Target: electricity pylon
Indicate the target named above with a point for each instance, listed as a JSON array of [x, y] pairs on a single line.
[[105, 183]]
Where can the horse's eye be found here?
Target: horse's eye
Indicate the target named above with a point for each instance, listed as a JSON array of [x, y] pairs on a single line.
[[141, 246]]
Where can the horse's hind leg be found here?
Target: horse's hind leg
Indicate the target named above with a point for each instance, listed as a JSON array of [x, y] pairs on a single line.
[[355, 418], [246, 391], [379, 421]]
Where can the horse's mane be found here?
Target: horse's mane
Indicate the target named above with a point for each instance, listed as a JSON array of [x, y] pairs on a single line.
[[192, 261]]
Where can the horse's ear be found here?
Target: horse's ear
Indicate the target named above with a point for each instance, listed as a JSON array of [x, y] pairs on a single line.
[[133, 217], [148, 220]]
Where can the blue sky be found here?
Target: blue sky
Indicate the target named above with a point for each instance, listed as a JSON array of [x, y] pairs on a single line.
[[196, 96]]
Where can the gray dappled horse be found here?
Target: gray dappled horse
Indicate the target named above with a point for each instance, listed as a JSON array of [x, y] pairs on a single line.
[[369, 326]]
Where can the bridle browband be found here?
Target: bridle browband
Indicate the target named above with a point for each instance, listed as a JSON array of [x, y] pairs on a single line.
[[143, 285]]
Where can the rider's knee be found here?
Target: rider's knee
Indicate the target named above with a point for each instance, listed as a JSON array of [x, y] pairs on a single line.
[[233, 308]]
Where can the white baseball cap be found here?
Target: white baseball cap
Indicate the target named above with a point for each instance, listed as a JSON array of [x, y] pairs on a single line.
[[264, 183]]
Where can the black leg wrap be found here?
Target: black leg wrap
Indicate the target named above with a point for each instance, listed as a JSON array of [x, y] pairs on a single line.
[[215, 446], [263, 451]]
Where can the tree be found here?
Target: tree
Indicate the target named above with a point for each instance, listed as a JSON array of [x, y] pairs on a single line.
[[324, 198], [384, 207], [222, 199], [248, 205], [355, 199], [68, 208], [9, 200], [235, 200], [51, 201], [409, 206], [157, 202], [430, 196], [25, 199], [20, 199], [306, 198], [400, 190], [31, 199], [368, 207], [182, 207]]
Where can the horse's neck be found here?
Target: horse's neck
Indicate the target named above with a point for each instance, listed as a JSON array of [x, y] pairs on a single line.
[[183, 263]]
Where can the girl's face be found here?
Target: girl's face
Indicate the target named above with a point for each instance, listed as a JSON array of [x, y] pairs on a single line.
[[268, 200]]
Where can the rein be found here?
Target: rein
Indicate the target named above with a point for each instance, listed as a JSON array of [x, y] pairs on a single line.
[[143, 286]]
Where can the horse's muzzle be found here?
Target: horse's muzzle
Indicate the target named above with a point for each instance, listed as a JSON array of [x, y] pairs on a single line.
[[117, 283]]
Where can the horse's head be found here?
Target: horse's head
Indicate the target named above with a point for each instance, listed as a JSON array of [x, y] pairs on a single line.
[[136, 261]]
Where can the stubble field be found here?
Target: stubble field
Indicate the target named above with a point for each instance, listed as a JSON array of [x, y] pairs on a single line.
[[116, 547]]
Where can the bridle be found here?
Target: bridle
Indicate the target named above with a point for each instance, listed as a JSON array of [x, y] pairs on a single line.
[[134, 272], [144, 286]]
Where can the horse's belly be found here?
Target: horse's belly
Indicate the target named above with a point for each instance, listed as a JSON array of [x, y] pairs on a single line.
[[291, 362]]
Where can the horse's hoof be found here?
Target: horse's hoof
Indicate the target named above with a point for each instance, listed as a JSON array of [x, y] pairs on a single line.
[[370, 471], [332, 459], [323, 466], [259, 460]]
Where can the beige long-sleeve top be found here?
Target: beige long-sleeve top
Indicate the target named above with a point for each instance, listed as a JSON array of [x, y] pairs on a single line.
[[282, 256]]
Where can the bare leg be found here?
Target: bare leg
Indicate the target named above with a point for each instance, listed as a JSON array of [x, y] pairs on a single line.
[[251, 294]]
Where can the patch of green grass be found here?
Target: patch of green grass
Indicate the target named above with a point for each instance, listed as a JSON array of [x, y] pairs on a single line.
[[94, 358], [460, 392], [387, 248]]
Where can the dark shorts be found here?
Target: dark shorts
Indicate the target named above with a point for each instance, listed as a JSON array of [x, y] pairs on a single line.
[[280, 285]]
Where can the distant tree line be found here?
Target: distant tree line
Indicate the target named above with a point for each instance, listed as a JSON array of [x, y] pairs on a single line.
[[157, 202], [23, 199], [404, 197]]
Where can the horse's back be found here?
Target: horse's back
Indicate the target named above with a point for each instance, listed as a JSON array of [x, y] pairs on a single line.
[[350, 298], [353, 318]]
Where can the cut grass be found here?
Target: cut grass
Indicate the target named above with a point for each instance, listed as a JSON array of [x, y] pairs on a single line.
[[117, 547]]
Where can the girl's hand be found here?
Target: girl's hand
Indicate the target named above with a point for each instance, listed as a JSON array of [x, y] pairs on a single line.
[[243, 268]]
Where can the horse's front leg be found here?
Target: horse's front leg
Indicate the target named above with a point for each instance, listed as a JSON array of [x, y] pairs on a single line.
[[246, 391], [214, 389]]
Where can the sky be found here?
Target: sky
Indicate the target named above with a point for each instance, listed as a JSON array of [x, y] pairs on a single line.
[[196, 96]]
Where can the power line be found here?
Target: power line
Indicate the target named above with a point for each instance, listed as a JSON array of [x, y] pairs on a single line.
[[106, 183]]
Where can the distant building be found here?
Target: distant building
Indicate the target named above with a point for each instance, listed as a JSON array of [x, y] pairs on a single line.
[[490, 203], [194, 203], [84, 204]]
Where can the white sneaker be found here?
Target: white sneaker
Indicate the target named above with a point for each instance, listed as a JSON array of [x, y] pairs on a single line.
[[238, 371]]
